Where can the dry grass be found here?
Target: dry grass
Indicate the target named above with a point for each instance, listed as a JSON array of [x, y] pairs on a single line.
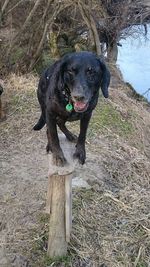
[[111, 221], [19, 91], [20, 102], [113, 230]]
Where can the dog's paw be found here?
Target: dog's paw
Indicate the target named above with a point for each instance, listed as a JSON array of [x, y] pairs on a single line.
[[72, 137], [48, 148], [80, 154], [59, 159]]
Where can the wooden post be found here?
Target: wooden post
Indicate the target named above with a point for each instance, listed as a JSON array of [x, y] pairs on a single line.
[[59, 202]]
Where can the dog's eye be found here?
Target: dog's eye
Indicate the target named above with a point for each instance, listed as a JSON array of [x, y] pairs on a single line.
[[71, 70], [90, 71]]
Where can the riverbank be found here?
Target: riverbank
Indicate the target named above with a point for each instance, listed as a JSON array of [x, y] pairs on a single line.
[[134, 61], [110, 215]]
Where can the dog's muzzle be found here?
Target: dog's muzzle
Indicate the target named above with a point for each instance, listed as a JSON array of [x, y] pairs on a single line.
[[80, 106], [80, 98]]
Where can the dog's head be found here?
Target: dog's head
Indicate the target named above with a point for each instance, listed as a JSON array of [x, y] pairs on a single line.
[[82, 74]]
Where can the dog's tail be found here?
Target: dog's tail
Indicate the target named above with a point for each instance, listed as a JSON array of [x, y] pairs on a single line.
[[40, 124]]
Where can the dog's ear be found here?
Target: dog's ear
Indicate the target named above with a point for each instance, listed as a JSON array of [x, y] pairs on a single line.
[[105, 78], [56, 79]]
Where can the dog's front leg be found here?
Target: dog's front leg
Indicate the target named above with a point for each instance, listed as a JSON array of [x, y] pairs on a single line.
[[53, 141], [80, 152]]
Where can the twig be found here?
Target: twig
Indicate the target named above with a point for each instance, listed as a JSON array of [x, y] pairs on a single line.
[[4, 6], [138, 256], [124, 206], [147, 229], [17, 4], [26, 23]]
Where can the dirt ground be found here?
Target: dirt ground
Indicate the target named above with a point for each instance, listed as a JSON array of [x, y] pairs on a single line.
[[111, 217]]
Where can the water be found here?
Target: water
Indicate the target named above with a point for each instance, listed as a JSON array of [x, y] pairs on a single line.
[[134, 62]]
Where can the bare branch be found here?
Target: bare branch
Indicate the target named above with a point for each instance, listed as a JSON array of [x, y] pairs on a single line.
[[4, 6], [47, 26], [26, 23], [91, 25], [17, 4]]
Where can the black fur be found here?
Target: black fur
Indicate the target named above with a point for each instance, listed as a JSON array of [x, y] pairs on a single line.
[[75, 79]]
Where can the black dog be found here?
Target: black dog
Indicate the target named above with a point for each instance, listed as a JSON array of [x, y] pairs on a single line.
[[69, 91]]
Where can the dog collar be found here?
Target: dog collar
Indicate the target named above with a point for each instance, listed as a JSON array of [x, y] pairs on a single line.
[[66, 96], [69, 107], [66, 93]]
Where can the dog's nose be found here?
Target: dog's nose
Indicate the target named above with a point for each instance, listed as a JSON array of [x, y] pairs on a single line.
[[78, 97]]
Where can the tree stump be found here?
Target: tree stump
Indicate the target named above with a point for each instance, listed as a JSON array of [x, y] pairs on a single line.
[[59, 201]]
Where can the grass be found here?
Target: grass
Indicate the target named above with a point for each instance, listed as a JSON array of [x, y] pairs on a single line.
[[106, 223], [65, 260], [106, 230], [22, 95], [107, 118], [142, 264], [39, 247]]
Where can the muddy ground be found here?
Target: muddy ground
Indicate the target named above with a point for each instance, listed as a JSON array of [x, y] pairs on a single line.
[[111, 216]]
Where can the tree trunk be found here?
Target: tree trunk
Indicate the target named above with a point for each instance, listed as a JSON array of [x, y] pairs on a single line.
[[112, 52], [91, 26]]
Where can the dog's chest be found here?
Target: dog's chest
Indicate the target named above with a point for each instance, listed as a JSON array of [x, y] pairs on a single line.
[[72, 116]]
